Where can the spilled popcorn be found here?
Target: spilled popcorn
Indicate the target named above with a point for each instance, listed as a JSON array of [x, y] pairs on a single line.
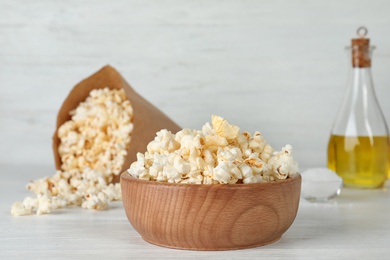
[[217, 154], [93, 148]]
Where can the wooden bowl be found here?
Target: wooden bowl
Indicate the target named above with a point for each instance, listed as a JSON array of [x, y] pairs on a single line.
[[210, 217]]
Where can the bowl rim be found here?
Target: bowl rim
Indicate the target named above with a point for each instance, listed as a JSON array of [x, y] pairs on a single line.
[[127, 177]]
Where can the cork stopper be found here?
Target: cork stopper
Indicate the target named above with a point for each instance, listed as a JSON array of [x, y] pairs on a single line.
[[361, 49]]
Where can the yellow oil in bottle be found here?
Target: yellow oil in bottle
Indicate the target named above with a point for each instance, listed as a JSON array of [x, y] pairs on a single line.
[[362, 161]]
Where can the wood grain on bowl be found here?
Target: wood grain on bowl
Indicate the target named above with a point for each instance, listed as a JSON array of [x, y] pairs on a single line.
[[210, 217]]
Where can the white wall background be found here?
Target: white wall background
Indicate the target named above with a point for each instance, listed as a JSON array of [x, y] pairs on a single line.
[[274, 66]]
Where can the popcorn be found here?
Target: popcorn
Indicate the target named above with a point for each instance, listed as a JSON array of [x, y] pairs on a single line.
[[43, 204], [226, 172], [95, 201], [18, 209], [223, 128], [113, 191], [92, 149], [217, 154], [282, 163], [163, 142], [98, 133]]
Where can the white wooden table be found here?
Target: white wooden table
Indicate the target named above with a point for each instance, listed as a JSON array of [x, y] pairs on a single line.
[[355, 225]]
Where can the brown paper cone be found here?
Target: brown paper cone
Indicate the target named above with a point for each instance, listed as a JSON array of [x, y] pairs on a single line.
[[147, 119]]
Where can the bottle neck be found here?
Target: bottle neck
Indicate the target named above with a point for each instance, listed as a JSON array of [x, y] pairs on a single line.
[[361, 81], [361, 88]]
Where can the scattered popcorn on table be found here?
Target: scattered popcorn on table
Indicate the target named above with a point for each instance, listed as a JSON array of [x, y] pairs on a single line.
[[217, 154], [93, 148]]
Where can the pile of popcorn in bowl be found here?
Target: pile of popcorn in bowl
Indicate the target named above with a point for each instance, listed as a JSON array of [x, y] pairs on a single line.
[[217, 154]]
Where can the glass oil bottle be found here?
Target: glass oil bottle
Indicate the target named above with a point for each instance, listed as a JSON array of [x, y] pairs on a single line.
[[358, 148]]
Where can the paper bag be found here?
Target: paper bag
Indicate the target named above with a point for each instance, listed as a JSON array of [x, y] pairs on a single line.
[[147, 119]]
